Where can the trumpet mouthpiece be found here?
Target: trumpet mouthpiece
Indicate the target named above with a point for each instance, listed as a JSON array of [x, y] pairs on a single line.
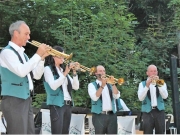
[[28, 41]]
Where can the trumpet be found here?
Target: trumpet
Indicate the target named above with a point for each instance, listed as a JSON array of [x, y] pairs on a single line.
[[156, 81], [79, 67], [52, 52], [112, 80], [160, 82]]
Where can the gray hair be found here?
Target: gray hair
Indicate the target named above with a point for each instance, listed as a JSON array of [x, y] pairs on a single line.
[[15, 26]]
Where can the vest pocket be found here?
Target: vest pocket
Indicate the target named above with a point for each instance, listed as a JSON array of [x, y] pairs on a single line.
[[144, 102], [20, 84]]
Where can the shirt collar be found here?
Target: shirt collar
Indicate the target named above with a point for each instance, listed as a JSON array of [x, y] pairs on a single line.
[[60, 69], [16, 47], [98, 82]]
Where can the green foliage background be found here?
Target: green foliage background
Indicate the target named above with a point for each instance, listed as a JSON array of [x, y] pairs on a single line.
[[124, 36]]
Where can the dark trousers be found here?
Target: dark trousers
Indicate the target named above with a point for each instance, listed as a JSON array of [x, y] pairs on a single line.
[[60, 119], [105, 124], [18, 114], [155, 119]]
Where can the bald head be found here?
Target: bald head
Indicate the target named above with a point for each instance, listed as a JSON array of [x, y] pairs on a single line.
[[100, 70], [152, 70]]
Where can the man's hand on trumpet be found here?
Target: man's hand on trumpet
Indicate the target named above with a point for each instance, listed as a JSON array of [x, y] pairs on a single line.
[[111, 80], [43, 50], [152, 80], [103, 80]]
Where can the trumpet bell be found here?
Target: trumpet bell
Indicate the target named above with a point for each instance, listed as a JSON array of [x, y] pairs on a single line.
[[92, 70], [120, 81], [112, 80], [160, 82], [69, 57]]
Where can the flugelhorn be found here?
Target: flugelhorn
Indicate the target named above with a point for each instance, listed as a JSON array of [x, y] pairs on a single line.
[[52, 52]]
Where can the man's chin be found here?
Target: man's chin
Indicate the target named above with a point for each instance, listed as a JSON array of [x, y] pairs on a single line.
[[24, 44]]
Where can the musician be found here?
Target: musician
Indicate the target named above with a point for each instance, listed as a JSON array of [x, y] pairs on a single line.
[[103, 107], [152, 96], [17, 72], [58, 85]]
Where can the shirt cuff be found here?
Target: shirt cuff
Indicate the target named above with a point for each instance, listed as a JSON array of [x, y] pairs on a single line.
[[37, 57], [116, 96]]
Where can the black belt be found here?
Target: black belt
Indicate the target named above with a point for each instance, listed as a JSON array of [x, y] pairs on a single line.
[[154, 107], [67, 102], [107, 112]]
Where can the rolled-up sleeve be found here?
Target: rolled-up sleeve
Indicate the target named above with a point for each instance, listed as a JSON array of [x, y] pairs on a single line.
[[163, 91], [74, 82], [116, 96], [142, 92], [92, 92], [49, 78], [38, 70]]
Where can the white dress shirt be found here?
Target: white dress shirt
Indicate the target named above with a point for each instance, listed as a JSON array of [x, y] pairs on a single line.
[[10, 60], [62, 80], [106, 100], [142, 92]]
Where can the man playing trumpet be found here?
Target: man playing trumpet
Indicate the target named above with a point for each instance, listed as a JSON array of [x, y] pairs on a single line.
[[152, 96], [17, 74], [103, 109]]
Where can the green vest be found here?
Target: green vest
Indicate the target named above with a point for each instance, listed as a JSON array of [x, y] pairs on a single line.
[[12, 84], [54, 97], [146, 103], [96, 106]]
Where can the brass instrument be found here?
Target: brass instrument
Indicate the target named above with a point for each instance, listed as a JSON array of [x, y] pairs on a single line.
[[157, 81], [81, 67], [112, 80], [52, 52], [92, 70], [160, 82]]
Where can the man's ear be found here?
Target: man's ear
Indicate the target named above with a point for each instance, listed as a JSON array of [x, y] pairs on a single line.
[[15, 33]]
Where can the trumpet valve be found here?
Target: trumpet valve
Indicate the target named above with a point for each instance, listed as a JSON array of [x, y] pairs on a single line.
[[82, 70]]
